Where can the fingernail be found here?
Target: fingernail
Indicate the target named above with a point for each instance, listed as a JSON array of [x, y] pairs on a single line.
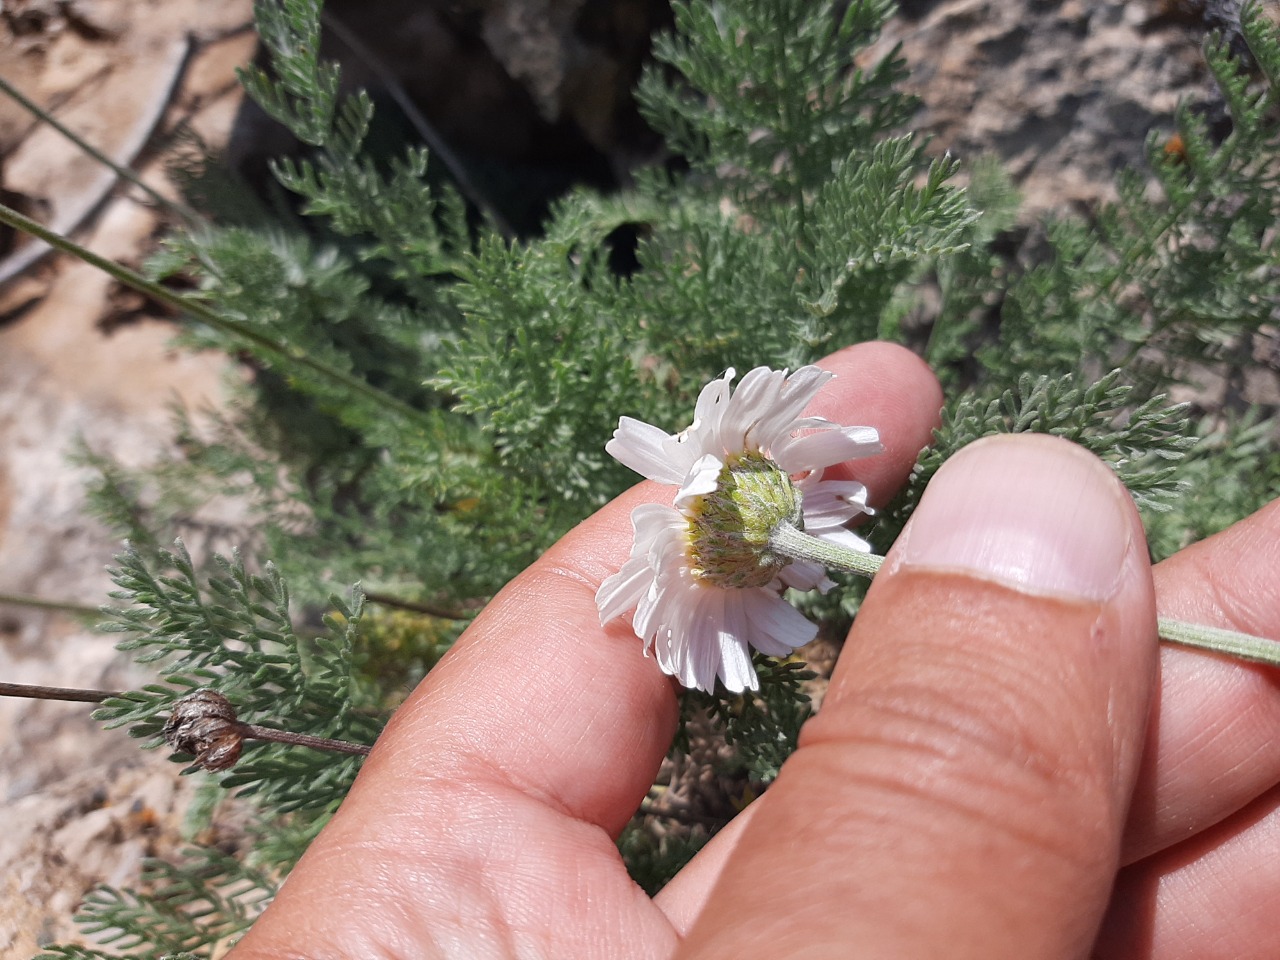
[[1033, 512]]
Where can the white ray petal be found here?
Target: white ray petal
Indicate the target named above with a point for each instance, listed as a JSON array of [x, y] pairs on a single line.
[[703, 478], [824, 448], [806, 575], [833, 503], [622, 591], [844, 538], [780, 627], [797, 393], [644, 448], [736, 670], [755, 395], [713, 400]]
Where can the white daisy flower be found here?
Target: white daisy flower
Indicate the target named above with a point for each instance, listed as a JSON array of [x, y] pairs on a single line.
[[703, 579]]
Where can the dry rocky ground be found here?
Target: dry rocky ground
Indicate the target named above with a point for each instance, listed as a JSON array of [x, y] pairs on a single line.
[[79, 805], [1064, 91]]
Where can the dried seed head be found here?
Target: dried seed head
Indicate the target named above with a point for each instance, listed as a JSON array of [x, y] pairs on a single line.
[[204, 725]]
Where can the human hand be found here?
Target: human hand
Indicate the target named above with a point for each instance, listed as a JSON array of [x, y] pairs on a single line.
[[962, 793]]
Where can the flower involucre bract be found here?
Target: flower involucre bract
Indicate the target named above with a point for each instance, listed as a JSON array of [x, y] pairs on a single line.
[[703, 580]]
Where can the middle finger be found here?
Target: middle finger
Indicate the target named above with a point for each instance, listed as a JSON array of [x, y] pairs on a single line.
[[1212, 747]]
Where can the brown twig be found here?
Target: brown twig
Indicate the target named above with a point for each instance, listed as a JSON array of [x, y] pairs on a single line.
[[35, 692], [251, 731], [201, 699], [416, 606]]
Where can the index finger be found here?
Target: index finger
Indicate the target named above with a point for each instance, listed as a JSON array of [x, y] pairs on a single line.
[[490, 800]]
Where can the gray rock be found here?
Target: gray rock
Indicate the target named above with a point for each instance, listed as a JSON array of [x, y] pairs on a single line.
[[1064, 92]]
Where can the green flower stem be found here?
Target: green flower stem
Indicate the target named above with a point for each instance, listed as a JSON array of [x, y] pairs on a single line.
[[797, 545], [790, 542], [1242, 646], [206, 315]]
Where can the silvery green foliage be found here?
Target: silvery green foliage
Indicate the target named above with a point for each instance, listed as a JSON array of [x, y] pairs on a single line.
[[232, 632], [807, 220], [190, 909]]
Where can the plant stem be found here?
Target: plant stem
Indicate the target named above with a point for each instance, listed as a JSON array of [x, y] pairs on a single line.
[[250, 731], [790, 542], [208, 316], [1241, 646], [416, 606], [75, 609], [191, 216], [33, 691]]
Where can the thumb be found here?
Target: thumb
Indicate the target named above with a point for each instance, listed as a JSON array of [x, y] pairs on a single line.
[[963, 790]]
